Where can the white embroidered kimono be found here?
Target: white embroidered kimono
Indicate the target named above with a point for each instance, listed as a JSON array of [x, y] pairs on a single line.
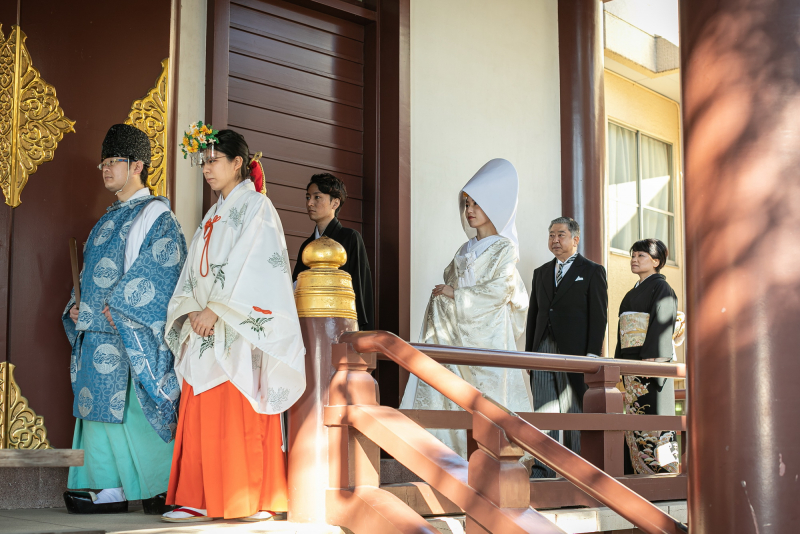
[[489, 309], [241, 273]]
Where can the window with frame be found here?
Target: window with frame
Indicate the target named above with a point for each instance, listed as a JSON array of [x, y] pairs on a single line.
[[640, 189]]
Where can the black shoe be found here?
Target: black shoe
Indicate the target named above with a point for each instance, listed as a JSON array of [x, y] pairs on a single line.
[[80, 502], [157, 505]]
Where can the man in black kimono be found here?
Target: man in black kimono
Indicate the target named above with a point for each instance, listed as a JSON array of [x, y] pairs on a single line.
[[325, 196], [568, 315]]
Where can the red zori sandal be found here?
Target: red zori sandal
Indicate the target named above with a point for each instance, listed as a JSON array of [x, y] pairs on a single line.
[[184, 514]]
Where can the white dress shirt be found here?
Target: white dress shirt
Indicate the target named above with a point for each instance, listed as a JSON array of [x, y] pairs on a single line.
[[141, 226]]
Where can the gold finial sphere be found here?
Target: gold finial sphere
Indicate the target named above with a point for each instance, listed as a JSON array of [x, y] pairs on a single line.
[[324, 253], [323, 290]]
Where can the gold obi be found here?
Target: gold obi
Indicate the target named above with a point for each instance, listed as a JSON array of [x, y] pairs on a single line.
[[633, 329]]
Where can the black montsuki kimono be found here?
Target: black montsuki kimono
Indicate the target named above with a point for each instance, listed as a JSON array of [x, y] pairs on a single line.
[[645, 395], [357, 267]]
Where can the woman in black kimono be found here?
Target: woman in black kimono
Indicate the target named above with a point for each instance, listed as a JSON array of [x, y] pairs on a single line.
[[646, 323]]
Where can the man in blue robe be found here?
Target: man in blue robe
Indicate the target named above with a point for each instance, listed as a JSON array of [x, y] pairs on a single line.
[[122, 372]]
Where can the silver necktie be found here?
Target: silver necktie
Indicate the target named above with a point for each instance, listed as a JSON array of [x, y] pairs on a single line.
[[560, 273]]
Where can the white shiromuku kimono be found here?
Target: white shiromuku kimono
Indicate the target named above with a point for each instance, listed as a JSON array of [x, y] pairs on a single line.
[[489, 309], [257, 344]]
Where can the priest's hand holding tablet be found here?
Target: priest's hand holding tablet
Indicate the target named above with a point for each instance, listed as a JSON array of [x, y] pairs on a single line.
[[73, 314]]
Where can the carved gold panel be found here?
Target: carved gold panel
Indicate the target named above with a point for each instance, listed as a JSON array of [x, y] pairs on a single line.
[[150, 115], [31, 121], [20, 427]]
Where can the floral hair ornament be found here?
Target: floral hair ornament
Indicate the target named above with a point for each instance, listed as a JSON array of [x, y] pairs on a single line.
[[198, 142]]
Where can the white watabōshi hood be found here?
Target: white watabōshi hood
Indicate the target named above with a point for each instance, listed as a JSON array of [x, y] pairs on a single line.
[[495, 187]]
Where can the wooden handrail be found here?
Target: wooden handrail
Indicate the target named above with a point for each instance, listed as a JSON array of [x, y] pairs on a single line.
[[358, 427], [591, 480], [546, 362], [434, 462], [556, 421]]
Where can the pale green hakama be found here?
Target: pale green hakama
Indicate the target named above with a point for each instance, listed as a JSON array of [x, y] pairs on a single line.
[[129, 455]]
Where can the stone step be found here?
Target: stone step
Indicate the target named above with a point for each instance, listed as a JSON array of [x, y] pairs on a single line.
[[573, 520], [40, 457]]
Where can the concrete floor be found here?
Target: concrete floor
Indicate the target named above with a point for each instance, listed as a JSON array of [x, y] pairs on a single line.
[[57, 520]]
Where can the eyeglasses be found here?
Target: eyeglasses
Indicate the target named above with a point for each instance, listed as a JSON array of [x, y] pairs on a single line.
[[206, 155], [109, 163], [209, 161]]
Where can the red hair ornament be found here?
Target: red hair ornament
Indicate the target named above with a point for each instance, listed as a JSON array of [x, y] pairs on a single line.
[[257, 174]]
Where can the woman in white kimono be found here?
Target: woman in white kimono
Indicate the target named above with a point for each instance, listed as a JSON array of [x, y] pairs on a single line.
[[483, 302], [233, 327]]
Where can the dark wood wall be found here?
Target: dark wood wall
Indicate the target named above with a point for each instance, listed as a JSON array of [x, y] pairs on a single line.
[[296, 92], [100, 56], [323, 86], [338, 115]]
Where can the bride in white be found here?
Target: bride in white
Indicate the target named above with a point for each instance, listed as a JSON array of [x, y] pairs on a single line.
[[483, 302]]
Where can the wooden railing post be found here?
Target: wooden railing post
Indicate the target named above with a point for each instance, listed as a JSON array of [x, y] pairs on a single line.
[[495, 470], [326, 306], [354, 459], [603, 448]]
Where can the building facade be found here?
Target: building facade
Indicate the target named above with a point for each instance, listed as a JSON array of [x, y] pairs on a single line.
[[404, 100]]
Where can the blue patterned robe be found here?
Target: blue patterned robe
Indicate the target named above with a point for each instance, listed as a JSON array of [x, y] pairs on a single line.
[[102, 357]]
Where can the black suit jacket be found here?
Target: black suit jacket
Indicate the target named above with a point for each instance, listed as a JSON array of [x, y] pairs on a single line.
[[357, 267], [577, 312]]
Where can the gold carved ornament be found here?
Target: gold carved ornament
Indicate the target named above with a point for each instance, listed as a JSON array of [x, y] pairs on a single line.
[[31, 121], [324, 290], [20, 427], [150, 115]]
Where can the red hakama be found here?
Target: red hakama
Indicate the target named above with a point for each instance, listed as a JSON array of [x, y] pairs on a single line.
[[228, 458]]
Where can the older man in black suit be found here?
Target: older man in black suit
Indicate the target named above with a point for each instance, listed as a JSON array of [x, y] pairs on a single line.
[[568, 315]]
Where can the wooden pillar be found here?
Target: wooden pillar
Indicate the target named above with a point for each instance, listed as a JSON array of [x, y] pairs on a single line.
[[392, 269], [6, 232], [583, 129], [391, 234], [740, 71], [173, 129], [326, 305], [9, 16], [308, 437]]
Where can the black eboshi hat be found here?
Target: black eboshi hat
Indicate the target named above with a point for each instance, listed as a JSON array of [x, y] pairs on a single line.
[[125, 141]]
